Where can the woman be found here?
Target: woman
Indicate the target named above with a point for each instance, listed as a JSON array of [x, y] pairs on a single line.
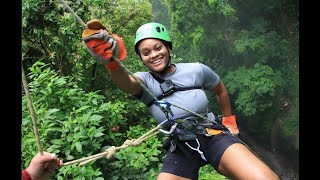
[[194, 142]]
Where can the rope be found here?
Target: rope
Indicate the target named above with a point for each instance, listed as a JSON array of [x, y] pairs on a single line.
[[33, 117], [194, 113], [111, 151], [73, 13]]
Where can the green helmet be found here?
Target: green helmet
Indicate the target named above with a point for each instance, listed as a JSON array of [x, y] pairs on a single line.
[[152, 30]]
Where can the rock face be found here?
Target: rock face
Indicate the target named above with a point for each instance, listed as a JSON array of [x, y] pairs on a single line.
[[277, 162]]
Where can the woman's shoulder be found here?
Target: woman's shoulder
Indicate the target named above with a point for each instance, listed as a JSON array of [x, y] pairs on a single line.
[[187, 68]]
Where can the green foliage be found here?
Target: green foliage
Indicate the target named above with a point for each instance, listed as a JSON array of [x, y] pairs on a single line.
[[72, 123], [47, 35], [198, 27], [244, 42], [290, 128], [207, 172], [260, 46], [223, 7], [252, 89], [160, 12], [197, 36]]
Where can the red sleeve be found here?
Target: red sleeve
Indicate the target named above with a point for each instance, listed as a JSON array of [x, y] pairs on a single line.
[[25, 175]]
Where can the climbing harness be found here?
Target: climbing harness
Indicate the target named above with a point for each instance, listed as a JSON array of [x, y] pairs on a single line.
[[188, 129]]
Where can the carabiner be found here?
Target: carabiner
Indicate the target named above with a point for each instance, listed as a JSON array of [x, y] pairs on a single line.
[[165, 107]]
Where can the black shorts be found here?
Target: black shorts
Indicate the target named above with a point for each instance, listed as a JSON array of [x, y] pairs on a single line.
[[180, 164]]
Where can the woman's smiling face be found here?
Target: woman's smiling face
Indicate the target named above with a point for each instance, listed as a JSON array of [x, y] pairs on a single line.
[[154, 54]]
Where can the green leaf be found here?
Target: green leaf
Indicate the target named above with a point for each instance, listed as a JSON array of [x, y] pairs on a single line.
[[70, 157], [95, 117], [79, 147], [99, 178], [153, 159], [98, 134]]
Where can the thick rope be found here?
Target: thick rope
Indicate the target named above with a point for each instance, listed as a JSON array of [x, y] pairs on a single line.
[[111, 151], [32, 114]]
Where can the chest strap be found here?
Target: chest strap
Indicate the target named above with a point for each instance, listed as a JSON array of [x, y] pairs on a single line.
[[175, 89]]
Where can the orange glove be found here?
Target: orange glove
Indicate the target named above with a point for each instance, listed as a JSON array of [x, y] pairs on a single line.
[[231, 124], [103, 45]]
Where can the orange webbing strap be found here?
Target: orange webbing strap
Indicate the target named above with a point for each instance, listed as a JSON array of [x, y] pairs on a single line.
[[212, 132]]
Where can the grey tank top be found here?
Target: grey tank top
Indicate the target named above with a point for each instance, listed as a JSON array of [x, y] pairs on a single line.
[[185, 75]]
